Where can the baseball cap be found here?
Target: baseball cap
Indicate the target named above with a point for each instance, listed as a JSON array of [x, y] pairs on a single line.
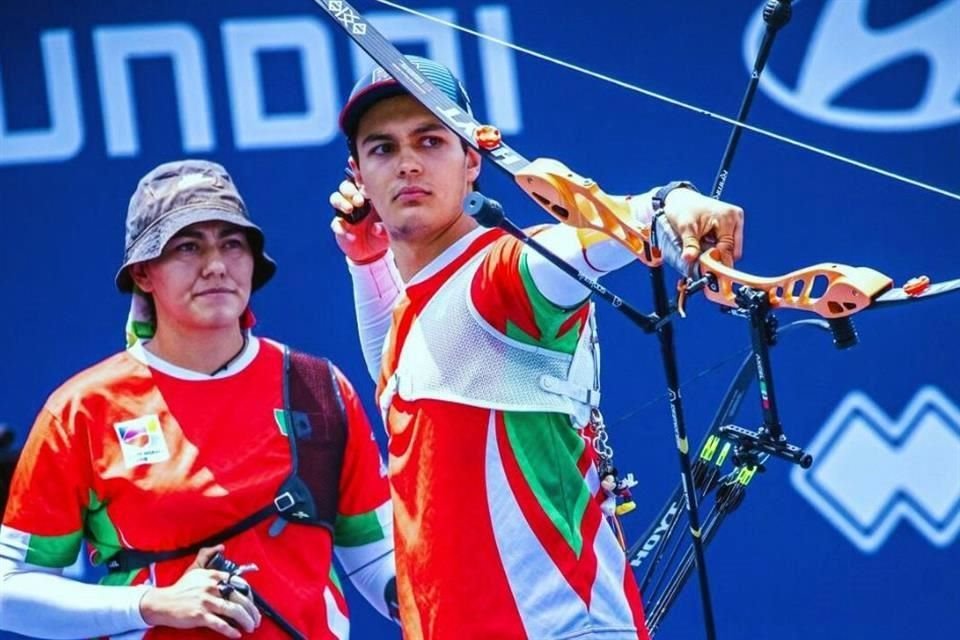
[[378, 85], [175, 195]]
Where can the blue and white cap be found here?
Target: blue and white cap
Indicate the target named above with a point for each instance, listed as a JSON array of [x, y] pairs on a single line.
[[378, 85]]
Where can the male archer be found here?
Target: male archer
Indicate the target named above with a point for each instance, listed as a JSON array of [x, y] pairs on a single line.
[[484, 356]]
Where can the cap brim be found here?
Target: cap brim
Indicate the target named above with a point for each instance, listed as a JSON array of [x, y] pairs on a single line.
[[152, 241]]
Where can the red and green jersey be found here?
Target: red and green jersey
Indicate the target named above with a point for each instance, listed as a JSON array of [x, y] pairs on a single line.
[[126, 455], [498, 528]]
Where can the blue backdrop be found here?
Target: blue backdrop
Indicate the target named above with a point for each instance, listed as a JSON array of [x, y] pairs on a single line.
[[94, 94]]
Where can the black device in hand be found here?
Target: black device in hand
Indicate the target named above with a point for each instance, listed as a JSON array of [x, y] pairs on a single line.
[[358, 213], [220, 562]]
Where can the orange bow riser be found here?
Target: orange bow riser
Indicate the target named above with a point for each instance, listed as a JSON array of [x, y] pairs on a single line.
[[829, 290]]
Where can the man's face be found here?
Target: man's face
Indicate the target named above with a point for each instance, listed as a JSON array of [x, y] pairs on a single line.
[[203, 278], [412, 168]]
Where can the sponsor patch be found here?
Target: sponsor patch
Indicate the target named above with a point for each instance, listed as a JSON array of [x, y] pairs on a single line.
[[142, 441]]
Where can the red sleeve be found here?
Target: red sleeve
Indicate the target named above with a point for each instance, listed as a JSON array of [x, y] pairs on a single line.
[[50, 491], [506, 297]]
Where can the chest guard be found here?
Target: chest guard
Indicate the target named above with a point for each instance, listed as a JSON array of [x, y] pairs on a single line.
[[500, 373]]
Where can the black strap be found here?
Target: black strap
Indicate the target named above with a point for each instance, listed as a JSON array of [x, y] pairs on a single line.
[[317, 430], [659, 198], [316, 422], [130, 559]]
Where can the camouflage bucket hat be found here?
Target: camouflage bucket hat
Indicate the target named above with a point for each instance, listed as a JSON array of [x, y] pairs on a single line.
[[176, 195]]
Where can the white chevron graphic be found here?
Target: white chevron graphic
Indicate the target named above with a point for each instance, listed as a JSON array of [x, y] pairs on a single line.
[[870, 471], [844, 49]]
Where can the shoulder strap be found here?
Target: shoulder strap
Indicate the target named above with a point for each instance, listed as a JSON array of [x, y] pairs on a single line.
[[316, 425], [130, 559], [317, 429]]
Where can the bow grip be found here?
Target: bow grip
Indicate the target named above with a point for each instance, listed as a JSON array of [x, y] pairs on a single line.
[[580, 202]]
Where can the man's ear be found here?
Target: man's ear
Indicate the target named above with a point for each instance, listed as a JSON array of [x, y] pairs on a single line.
[[357, 176], [140, 276], [473, 161]]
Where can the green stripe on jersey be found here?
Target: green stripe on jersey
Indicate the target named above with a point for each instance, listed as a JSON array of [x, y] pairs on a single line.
[[101, 532], [549, 317], [54, 551], [335, 579], [353, 531], [119, 578], [547, 449]]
